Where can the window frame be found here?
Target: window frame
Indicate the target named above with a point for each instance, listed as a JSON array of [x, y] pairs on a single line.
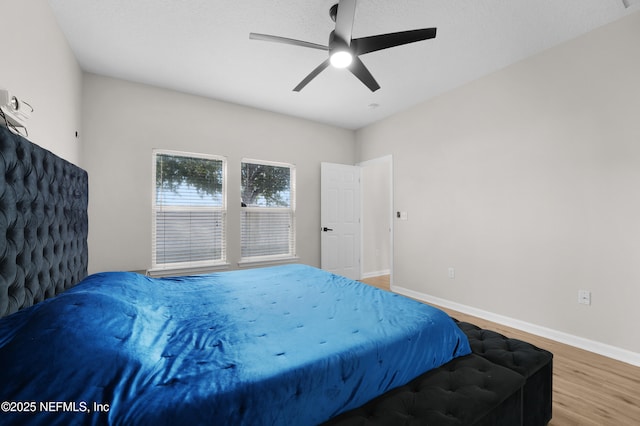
[[291, 256], [191, 266]]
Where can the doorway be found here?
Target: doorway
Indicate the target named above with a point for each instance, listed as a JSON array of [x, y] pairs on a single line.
[[357, 220], [377, 218]]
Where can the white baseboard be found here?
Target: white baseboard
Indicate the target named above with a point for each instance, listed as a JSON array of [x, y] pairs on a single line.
[[604, 349], [375, 273]]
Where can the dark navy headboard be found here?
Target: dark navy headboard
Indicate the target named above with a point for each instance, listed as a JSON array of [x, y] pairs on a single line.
[[43, 223]]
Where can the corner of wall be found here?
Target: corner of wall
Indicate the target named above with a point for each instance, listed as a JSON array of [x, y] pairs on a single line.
[[47, 75]]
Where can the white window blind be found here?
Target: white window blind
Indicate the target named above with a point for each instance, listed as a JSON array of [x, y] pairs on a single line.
[[267, 224], [189, 210]]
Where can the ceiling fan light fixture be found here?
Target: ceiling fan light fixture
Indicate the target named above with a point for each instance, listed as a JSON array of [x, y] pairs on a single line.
[[344, 50], [341, 58]]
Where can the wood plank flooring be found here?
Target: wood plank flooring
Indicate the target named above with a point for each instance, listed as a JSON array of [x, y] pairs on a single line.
[[588, 389]]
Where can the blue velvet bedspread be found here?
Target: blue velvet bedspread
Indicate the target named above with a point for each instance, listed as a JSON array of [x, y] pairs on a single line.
[[287, 345]]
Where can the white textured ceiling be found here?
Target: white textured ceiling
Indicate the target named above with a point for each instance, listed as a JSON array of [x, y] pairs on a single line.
[[202, 47]]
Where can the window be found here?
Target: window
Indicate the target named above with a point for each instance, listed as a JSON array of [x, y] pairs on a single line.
[[189, 210], [268, 211]]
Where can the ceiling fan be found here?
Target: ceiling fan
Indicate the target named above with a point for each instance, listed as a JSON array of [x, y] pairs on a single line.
[[344, 51]]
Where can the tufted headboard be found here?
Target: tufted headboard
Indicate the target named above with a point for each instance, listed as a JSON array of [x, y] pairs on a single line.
[[43, 223]]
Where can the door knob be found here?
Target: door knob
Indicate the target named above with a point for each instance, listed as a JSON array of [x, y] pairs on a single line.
[[325, 229]]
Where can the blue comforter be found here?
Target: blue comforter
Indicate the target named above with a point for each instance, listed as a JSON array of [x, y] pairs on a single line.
[[288, 345]]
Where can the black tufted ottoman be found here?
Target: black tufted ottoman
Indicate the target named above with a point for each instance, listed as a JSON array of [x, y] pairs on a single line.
[[469, 390], [504, 382], [535, 364]]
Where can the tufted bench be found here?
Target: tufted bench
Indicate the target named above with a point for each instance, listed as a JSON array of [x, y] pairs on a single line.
[[503, 382], [469, 390], [535, 364]]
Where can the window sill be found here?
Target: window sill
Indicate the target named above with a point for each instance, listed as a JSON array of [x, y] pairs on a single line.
[[187, 270], [267, 261]]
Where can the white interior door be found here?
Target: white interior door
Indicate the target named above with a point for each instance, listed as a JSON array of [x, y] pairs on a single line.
[[340, 219]]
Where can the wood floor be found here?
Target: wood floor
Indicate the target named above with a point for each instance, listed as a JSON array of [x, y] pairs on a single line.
[[588, 389]]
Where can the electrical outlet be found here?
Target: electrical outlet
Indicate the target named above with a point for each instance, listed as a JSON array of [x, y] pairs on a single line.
[[452, 272], [584, 297]]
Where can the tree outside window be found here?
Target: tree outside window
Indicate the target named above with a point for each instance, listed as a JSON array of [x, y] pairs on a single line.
[[268, 210], [189, 210]]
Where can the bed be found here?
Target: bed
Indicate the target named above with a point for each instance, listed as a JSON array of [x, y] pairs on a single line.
[[285, 345]]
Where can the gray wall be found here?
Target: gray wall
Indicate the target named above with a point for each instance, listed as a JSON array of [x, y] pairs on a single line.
[[528, 183], [37, 65], [124, 121]]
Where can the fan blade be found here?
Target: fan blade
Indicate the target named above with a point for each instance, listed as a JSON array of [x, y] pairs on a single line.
[[277, 39], [311, 75], [384, 41], [344, 20], [360, 70]]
